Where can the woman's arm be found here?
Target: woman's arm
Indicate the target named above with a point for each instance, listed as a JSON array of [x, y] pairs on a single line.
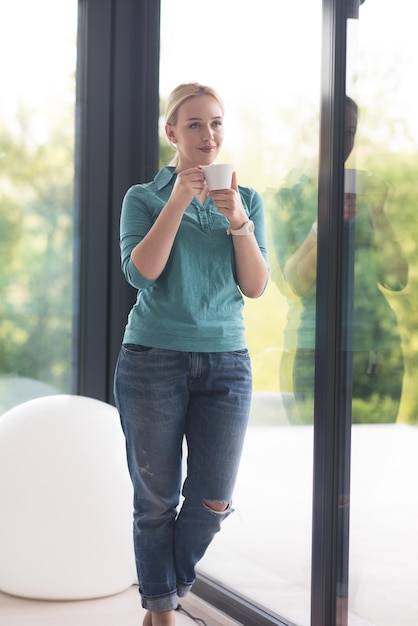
[[300, 268], [150, 255], [251, 266], [393, 264]]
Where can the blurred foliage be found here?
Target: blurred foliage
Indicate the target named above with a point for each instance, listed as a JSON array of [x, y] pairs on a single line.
[[399, 172], [36, 281]]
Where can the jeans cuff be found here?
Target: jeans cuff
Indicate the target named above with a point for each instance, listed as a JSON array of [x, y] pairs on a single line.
[[160, 603], [183, 589]]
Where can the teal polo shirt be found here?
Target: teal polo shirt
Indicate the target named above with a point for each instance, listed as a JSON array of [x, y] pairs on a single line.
[[195, 305]]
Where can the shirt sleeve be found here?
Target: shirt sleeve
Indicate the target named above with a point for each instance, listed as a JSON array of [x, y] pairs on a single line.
[[136, 220], [254, 207]]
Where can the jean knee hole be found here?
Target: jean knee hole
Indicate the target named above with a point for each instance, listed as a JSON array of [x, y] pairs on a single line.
[[208, 504]]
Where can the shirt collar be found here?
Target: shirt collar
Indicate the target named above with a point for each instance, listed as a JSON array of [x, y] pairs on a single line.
[[164, 176]]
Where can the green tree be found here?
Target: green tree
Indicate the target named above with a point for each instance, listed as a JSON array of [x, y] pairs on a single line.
[[36, 217]]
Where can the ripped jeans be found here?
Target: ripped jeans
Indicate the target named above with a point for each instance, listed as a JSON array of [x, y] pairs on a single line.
[[164, 396]]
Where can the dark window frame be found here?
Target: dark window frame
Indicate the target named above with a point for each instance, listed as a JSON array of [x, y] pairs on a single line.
[[117, 114], [329, 412]]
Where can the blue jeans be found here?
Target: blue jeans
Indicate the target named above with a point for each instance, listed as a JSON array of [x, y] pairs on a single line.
[[163, 396]]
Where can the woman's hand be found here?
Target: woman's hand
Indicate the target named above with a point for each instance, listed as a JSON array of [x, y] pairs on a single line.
[[228, 202], [251, 268], [150, 255], [189, 183], [350, 206]]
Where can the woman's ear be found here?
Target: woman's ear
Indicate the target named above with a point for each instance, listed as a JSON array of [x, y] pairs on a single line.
[[169, 131]]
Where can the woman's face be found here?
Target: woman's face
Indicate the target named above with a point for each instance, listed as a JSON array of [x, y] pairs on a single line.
[[350, 130], [198, 133]]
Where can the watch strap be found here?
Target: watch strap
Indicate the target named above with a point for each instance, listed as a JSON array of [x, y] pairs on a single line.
[[246, 229]]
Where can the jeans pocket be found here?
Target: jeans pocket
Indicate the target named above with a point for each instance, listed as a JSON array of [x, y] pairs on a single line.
[[243, 354], [135, 348]]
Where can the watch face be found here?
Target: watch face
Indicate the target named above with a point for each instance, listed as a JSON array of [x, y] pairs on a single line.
[[247, 228]]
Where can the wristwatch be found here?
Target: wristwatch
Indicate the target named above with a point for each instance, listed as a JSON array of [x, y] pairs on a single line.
[[246, 229]]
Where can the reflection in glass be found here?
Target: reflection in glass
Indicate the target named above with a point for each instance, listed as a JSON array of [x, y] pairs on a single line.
[[373, 260], [381, 189], [37, 63]]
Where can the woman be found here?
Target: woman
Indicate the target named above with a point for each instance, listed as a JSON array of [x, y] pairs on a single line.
[[183, 369], [373, 266]]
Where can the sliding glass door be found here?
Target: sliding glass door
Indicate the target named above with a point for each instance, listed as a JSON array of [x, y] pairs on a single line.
[[382, 61], [265, 62], [320, 119]]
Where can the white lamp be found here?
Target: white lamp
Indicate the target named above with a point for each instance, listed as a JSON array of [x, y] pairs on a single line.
[[66, 500]]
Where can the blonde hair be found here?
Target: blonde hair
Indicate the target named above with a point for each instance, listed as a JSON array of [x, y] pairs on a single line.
[[179, 95]]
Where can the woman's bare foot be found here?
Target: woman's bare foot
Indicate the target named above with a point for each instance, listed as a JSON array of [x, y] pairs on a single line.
[[166, 618]]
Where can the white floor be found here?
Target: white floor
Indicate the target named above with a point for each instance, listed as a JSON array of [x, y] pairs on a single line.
[[123, 609], [263, 551]]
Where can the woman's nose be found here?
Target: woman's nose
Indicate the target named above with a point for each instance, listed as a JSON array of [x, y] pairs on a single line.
[[207, 133]]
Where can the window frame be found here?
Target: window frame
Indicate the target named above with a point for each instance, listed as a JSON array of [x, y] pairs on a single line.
[[117, 114]]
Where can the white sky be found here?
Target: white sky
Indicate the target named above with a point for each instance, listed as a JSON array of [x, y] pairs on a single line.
[[36, 50], [244, 53], [239, 50], [262, 57]]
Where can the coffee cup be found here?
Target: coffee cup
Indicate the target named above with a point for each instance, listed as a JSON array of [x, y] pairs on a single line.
[[218, 176], [354, 181]]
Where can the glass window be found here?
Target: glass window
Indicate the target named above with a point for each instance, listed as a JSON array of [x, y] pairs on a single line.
[[37, 71], [265, 63], [381, 199]]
